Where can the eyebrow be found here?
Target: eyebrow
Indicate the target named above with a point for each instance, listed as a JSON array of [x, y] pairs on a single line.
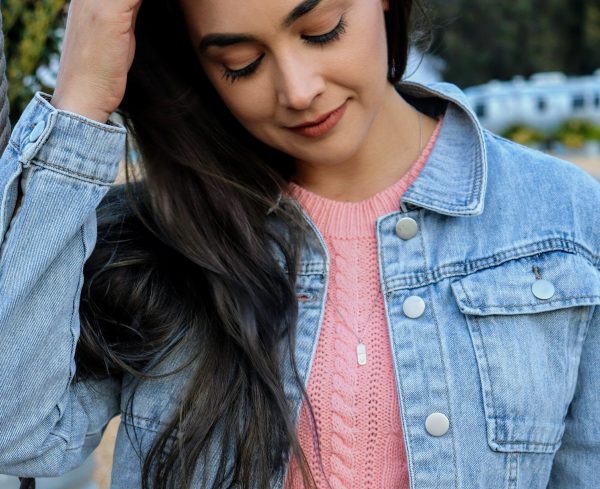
[[224, 40], [302, 9]]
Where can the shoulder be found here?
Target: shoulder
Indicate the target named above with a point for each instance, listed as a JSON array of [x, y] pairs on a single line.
[[527, 193], [527, 167], [542, 186]]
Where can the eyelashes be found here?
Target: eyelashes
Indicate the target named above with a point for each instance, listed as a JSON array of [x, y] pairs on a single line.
[[330, 36], [233, 75], [320, 40]]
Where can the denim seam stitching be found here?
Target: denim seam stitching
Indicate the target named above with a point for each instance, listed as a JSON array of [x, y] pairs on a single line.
[[513, 462], [526, 442], [74, 313], [544, 246], [483, 371], [459, 269], [426, 199], [461, 284], [68, 436], [152, 424], [467, 267], [62, 170], [407, 433], [545, 302], [488, 380], [137, 416], [476, 126]]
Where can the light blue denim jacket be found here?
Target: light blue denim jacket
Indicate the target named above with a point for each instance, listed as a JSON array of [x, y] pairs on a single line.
[[505, 259]]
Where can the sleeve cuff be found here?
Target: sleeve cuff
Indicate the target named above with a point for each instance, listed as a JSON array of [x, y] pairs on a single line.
[[68, 142]]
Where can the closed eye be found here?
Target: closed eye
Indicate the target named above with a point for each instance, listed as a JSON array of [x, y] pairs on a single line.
[[233, 75], [332, 35], [320, 40]]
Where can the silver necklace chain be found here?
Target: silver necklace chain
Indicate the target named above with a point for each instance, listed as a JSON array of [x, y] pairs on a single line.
[[361, 348]]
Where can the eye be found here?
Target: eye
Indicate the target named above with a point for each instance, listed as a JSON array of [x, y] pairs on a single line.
[[332, 35], [233, 75]]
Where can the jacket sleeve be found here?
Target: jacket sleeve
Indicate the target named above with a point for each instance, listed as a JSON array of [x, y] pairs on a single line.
[[577, 462], [64, 164]]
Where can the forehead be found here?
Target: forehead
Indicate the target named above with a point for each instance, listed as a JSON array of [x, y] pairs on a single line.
[[242, 15]]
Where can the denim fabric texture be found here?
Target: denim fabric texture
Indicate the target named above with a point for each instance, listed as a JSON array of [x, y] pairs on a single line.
[[515, 372]]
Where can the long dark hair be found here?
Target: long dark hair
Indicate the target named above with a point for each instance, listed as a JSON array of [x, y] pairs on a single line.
[[186, 263]]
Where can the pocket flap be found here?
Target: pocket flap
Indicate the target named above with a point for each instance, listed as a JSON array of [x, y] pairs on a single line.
[[507, 288]]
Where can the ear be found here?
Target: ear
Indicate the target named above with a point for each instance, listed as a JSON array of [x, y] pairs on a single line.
[[385, 4]]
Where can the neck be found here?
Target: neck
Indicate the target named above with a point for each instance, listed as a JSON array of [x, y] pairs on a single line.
[[393, 143]]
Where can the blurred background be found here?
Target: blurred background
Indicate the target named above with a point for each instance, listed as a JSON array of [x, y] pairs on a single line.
[[530, 69]]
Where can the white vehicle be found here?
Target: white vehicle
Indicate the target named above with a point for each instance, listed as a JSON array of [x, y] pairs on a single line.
[[543, 101]]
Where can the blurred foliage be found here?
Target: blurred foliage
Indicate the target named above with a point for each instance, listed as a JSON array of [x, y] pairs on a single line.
[[573, 133], [31, 38], [482, 40], [523, 134]]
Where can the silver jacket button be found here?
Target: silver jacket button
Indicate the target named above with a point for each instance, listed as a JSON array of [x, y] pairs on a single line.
[[413, 307], [542, 289], [437, 424], [406, 228]]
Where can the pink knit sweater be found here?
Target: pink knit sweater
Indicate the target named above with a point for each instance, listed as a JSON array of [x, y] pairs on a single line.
[[356, 406]]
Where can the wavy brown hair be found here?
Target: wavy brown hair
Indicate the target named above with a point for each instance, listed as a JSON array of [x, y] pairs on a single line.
[[186, 261]]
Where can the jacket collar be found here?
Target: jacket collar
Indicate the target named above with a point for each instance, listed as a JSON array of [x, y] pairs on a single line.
[[454, 179]]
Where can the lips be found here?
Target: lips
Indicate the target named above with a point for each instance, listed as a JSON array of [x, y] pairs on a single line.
[[316, 121], [322, 125]]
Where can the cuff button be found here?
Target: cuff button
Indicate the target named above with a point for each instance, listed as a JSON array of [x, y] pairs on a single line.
[[37, 131]]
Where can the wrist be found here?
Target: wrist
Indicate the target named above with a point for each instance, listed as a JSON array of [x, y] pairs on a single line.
[[80, 108]]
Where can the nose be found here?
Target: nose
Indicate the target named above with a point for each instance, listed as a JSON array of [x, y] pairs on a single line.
[[298, 83]]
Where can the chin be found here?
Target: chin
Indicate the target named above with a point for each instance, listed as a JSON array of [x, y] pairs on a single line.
[[326, 158], [330, 154]]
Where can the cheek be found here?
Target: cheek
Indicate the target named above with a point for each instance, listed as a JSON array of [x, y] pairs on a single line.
[[372, 50], [361, 63]]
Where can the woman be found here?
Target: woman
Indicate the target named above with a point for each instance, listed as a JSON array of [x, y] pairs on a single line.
[[319, 265]]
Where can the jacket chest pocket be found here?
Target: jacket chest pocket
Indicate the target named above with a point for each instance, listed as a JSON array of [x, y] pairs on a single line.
[[528, 319]]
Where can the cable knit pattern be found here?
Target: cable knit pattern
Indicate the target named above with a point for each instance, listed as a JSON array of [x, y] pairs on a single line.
[[343, 398], [356, 407]]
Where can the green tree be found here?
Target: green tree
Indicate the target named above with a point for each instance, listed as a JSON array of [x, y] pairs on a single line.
[[486, 39], [31, 38]]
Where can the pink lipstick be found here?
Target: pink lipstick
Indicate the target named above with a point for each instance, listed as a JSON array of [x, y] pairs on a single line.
[[322, 125]]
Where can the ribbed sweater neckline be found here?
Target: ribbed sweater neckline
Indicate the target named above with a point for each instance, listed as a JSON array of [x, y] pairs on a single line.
[[338, 219]]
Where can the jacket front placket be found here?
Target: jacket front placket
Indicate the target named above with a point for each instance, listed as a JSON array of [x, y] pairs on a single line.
[[452, 183]]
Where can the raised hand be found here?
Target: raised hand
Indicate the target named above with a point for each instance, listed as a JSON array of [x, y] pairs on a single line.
[[97, 54]]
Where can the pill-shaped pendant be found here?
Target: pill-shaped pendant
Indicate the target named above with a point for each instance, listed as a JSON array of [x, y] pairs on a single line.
[[361, 354]]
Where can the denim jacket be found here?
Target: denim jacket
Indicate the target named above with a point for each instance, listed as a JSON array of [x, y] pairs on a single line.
[[491, 282]]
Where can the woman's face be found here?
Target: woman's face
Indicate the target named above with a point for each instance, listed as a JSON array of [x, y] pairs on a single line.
[[280, 64]]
